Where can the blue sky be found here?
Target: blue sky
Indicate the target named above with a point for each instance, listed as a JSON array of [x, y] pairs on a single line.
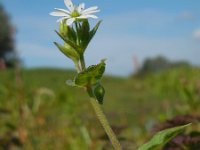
[[134, 28]]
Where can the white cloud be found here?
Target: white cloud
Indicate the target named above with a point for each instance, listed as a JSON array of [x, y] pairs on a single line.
[[187, 15], [196, 34]]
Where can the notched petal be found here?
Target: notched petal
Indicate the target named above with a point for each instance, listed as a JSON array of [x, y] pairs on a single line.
[[81, 7], [69, 5]]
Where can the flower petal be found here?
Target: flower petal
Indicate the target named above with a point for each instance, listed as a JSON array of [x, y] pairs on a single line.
[[69, 5], [87, 16], [59, 20], [92, 16], [81, 7], [70, 21], [59, 13], [90, 12], [90, 9], [63, 10]]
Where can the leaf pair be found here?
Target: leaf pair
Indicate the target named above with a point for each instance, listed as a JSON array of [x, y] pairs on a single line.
[[91, 77]]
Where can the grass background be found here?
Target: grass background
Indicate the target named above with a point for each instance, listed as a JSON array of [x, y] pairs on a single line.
[[57, 116]]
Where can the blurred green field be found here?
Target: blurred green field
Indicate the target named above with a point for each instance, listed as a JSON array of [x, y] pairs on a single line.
[[60, 117]]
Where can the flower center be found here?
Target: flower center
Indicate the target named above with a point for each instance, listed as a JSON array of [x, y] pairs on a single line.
[[75, 13]]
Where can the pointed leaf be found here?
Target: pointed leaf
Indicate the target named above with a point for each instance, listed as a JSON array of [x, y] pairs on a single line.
[[91, 75], [94, 30], [162, 137]]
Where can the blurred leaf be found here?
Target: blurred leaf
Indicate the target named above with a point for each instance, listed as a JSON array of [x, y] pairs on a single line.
[[162, 137], [188, 94], [10, 126], [91, 75], [4, 111]]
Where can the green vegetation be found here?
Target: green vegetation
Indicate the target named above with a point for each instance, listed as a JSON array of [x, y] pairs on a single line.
[[60, 117], [7, 50]]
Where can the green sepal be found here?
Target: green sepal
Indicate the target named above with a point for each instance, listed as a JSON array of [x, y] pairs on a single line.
[[99, 93], [72, 34], [91, 75], [85, 34], [63, 29], [162, 137], [69, 51], [86, 26]]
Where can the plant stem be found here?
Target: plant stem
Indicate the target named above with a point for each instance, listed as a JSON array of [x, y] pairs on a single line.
[[78, 68], [103, 120], [82, 61], [100, 115]]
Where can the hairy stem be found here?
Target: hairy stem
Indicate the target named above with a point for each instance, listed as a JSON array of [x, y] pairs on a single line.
[[103, 120]]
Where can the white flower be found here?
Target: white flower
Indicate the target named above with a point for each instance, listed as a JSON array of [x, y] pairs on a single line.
[[74, 12]]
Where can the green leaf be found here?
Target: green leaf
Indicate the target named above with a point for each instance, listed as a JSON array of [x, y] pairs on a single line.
[[69, 51], [91, 75], [94, 30], [99, 93], [162, 137]]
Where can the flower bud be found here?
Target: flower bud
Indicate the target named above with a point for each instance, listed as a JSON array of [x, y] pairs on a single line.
[[99, 93], [63, 29]]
